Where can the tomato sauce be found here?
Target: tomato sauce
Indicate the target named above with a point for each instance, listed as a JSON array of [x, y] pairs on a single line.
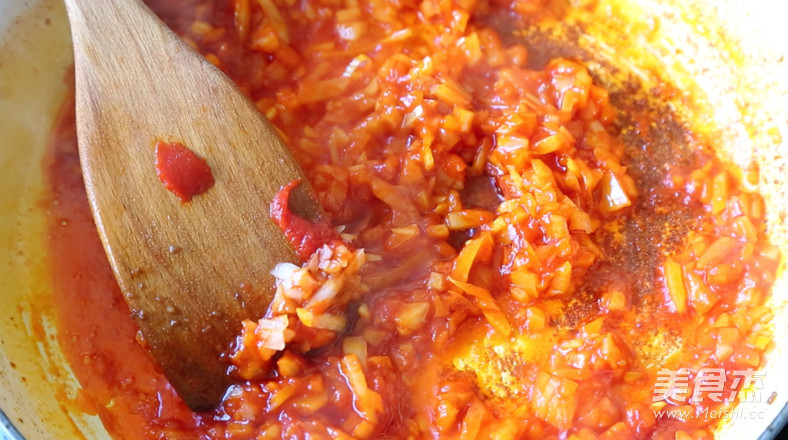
[[529, 252], [304, 236], [181, 171]]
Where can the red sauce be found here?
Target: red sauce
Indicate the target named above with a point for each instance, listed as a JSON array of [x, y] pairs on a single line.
[[603, 283], [181, 171], [305, 237]]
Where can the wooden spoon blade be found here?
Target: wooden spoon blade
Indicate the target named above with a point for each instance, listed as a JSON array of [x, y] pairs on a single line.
[[190, 272]]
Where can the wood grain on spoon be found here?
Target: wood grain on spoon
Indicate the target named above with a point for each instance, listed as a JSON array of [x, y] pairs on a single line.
[[190, 272]]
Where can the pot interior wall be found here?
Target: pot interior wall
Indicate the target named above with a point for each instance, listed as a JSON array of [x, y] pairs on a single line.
[[36, 383]]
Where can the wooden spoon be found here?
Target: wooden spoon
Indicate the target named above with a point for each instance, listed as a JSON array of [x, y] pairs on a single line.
[[190, 272]]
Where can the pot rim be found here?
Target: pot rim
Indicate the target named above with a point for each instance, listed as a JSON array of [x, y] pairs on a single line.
[[7, 429]]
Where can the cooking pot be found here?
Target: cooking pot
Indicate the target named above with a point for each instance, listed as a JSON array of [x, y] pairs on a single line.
[[726, 58]]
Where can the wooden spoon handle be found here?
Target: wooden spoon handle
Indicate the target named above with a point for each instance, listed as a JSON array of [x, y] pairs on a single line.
[[190, 272]]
